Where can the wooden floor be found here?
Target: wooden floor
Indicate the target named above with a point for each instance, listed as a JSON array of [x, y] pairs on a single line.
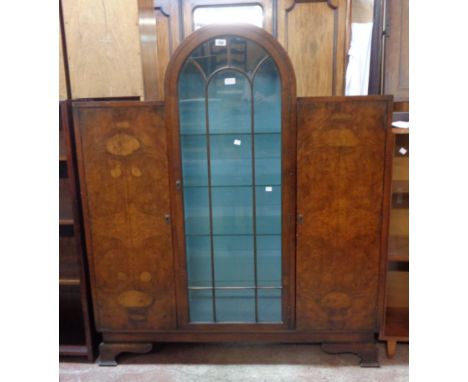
[[216, 363]]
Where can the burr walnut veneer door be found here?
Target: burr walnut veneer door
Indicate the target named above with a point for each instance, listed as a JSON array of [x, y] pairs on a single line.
[[124, 185], [343, 147]]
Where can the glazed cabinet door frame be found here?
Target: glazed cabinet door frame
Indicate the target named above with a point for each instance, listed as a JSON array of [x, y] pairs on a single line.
[[288, 155]]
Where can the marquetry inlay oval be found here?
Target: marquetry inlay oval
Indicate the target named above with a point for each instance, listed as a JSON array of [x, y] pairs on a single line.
[[122, 144], [145, 277], [116, 171], [135, 299], [336, 300], [340, 138], [136, 171]]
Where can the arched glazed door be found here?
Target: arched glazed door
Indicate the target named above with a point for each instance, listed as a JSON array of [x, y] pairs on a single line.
[[231, 127]]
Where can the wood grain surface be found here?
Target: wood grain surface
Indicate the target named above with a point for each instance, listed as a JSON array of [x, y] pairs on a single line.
[[103, 48], [123, 168], [315, 34], [341, 165]]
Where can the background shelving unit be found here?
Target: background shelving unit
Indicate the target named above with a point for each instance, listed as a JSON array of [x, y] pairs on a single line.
[[395, 325], [76, 335]]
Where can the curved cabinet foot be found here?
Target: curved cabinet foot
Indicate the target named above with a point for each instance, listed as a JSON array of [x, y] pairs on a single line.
[[368, 352], [109, 351]]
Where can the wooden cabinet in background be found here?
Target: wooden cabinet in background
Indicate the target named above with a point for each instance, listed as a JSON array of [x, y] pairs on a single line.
[[76, 333], [208, 225], [396, 60], [315, 34], [389, 64], [121, 48], [395, 320]]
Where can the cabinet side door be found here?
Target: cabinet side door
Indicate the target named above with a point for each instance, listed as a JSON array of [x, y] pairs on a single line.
[[122, 162], [342, 207]]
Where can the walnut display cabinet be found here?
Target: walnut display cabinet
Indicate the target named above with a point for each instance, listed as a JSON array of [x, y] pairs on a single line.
[[233, 211]]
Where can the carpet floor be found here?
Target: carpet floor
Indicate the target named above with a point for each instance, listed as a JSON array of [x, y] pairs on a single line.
[[239, 363]]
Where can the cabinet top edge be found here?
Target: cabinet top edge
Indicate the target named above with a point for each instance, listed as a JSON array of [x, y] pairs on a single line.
[[362, 98], [110, 104]]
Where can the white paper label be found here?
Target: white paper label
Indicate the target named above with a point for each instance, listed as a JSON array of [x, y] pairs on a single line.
[[237, 142], [403, 151], [230, 81], [220, 42], [268, 189], [401, 124]]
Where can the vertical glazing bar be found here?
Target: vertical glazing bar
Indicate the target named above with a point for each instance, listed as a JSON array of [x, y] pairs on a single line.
[[252, 133], [210, 205], [228, 53]]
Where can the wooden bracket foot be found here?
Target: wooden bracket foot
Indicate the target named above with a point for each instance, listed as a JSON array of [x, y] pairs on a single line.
[[367, 351], [109, 351], [391, 348]]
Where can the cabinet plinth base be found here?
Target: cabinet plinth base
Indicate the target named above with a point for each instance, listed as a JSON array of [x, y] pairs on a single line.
[[109, 351], [368, 352]]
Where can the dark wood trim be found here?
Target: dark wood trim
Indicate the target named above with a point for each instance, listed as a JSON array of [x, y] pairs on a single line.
[[112, 104], [376, 60], [85, 297], [284, 336], [385, 225], [360, 98], [65, 52], [279, 55]]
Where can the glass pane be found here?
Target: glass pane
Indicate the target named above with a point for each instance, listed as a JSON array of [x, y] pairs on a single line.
[[235, 305], [267, 99], [211, 55], [194, 160], [251, 14], [268, 159], [201, 305], [229, 108], [191, 101], [198, 261], [231, 160], [269, 260], [268, 206], [232, 210], [234, 261], [196, 210], [245, 54], [269, 305]]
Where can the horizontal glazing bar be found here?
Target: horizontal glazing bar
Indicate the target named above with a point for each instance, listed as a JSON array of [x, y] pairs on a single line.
[[234, 234], [235, 288], [232, 134], [236, 185]]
